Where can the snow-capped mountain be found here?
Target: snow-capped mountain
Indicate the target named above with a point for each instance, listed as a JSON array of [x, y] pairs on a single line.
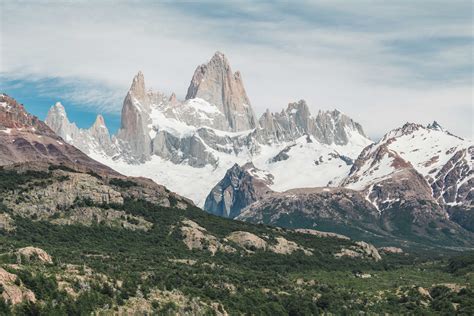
[[443, 160], [188, 145]]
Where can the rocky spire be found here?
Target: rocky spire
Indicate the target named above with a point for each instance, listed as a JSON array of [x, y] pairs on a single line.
[[215, 83], [334, 127], [172, 99], [58, 121], [135, 119], [137, 89], [435, 125]]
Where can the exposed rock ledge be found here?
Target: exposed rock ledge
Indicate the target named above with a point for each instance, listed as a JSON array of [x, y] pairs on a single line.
[[32, 253], [14, 292], [361, 249], [252, 242], [320, 233]]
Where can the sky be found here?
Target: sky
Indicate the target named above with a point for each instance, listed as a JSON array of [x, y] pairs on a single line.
[[383, 63]]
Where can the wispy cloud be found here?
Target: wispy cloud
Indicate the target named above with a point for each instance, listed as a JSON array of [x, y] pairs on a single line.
[[381, 62]]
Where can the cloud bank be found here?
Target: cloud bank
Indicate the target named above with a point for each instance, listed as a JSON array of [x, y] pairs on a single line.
[[382, 63]]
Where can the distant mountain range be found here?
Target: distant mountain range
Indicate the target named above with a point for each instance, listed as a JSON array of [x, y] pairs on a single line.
[[416, 182]]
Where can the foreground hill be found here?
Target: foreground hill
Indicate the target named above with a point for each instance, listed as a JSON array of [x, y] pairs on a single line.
[[75, 251]]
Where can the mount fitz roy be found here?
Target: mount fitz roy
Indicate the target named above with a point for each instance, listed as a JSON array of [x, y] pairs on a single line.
[[212, 149], [214, 128]]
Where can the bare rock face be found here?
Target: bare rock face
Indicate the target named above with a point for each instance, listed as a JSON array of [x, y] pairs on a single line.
[[386, 250], [360, 249], [334, 127], [197, 237], [321, 234], [133, 134], [247, 240], [58, 121], [240, 187], [31, 253], [287, 247], [453, 183], [215, 83], [12, 292]]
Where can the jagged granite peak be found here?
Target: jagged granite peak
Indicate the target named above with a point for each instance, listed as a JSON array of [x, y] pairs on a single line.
[[240, 187], [328, 127], [137, 89], [215, 83], [94, 140], [58, 120], [133, 134], [334, 127]]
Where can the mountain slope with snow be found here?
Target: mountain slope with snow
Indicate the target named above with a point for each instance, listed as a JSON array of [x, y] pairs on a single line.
[[189, 145], [444, 160]]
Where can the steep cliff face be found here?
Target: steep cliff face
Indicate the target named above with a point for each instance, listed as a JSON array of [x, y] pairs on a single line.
[[240, 187], [58, 121], [133, 134], [217, 84]]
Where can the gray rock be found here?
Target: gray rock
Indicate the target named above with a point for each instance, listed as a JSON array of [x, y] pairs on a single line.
[[329, 127], [215, 83], [239, 188]]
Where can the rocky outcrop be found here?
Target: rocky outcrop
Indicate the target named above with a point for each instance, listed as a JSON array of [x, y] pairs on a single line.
[[197, 237], [247, 240], [6, 222], [287, 247], [63, 196], [88, 216], [321, 234], [13, 291], [32, 253], [240, 187], [387, 250], [215, 83], [360, 249]]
